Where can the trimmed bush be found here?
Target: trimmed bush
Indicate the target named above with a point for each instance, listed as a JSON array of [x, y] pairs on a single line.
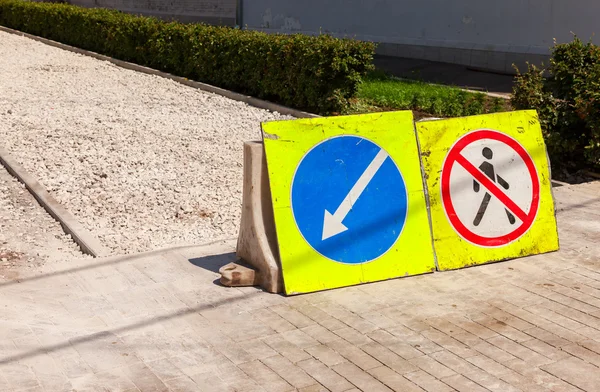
[[568, 103], [315, 73]]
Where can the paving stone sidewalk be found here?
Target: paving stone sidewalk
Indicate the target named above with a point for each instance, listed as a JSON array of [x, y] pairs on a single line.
[[160, 322]]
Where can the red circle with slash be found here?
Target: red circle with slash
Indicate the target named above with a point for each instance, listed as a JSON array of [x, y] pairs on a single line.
[[455, 157]]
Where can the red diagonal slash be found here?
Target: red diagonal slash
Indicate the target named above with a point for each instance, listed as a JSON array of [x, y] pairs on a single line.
[[493, 188]]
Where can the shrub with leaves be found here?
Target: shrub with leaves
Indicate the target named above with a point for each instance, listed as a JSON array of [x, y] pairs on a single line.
[[568, 103], [587, 107], [316, 73]]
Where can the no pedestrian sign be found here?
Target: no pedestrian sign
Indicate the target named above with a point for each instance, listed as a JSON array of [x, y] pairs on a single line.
[[489, 188], [348, 200], [503, 200]]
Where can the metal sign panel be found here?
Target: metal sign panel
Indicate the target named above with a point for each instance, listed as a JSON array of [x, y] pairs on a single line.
[[348, 200], [489, 188]]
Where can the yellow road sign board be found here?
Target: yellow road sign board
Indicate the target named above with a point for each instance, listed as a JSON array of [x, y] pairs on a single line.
[[348, 200], [489, 188]]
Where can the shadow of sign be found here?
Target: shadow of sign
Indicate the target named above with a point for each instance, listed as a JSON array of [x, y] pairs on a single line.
[[214, 262]]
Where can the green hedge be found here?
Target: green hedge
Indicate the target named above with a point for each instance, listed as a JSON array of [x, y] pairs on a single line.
[[316, 73], [567, 98]]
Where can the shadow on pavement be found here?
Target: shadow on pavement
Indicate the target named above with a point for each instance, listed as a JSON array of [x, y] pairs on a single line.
[[68, 343], [214, 262], [103, 262]]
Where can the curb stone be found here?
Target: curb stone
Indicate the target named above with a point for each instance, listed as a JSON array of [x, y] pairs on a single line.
[[88, 243], [259, 103]]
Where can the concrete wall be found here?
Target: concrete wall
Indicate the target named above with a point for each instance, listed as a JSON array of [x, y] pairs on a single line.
[[218, 12], [479, 33]]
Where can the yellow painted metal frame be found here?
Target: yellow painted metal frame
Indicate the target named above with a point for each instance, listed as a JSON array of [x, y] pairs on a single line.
[[436, 138], [305, 270]]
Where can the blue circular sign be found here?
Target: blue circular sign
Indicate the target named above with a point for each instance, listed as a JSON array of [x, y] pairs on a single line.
[[349, 199]]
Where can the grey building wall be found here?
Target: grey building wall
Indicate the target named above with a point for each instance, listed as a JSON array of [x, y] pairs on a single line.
[[218, 12], [479, 33]]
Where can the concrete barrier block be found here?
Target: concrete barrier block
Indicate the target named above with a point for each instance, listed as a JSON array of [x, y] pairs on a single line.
[[257, 240], [236, 275]]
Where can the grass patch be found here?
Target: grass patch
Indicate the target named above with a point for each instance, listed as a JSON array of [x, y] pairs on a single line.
[[380, 91]]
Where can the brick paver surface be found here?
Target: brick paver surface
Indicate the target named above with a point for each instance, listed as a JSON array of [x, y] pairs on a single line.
[[158, 322]]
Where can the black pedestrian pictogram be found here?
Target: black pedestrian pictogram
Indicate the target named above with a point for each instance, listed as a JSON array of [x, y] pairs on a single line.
[[488, 169]]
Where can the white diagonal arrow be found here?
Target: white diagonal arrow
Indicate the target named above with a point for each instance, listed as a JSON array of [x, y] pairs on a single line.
[[332, 224]]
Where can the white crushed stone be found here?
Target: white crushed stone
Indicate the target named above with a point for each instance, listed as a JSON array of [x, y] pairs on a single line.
[[141, 161], [28, 235]]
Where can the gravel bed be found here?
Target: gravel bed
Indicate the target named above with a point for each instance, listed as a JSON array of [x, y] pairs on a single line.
[[28, 235], [143, 162]]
